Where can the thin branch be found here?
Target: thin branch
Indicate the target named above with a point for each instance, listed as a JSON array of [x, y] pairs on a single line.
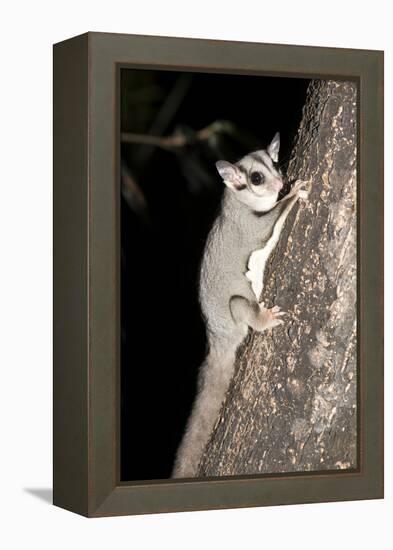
[[133, 194], [165, 114], [179, 139]]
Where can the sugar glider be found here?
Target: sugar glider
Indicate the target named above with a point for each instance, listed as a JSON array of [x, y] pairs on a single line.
[[242, 237]]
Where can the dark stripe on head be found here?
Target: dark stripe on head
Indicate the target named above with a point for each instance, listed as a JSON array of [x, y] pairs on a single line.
[[242, 169], [262, 161], [240, 187]]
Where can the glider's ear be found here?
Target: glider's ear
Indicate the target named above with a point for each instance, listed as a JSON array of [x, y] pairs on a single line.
[[230, 174], [274, 147]]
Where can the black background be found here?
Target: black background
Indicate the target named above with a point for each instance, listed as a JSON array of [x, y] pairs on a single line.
[[163, 340]]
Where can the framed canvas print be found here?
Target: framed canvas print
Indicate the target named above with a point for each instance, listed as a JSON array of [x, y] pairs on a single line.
[[218, 261]]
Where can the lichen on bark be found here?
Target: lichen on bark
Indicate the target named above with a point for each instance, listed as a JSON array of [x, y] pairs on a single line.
[[292, 405]]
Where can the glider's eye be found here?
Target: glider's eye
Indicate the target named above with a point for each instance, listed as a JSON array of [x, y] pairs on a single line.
[[257, 178]]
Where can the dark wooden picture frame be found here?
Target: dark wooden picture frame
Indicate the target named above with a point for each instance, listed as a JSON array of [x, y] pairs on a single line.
[[86, 274]]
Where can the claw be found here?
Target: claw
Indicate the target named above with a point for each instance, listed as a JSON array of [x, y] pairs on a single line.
[[298, 187]]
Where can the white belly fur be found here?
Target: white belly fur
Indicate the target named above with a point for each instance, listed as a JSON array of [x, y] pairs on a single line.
[[258, 258]]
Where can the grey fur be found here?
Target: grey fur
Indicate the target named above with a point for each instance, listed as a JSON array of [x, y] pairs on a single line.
[[228, 303]]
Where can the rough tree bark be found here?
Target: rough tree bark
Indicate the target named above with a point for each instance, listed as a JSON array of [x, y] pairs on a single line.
[[292, 403]]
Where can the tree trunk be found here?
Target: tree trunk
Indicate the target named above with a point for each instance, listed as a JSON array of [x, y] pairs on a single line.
[[292, 405]]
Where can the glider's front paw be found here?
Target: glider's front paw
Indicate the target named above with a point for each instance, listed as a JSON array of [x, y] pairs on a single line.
[[299, 187]]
